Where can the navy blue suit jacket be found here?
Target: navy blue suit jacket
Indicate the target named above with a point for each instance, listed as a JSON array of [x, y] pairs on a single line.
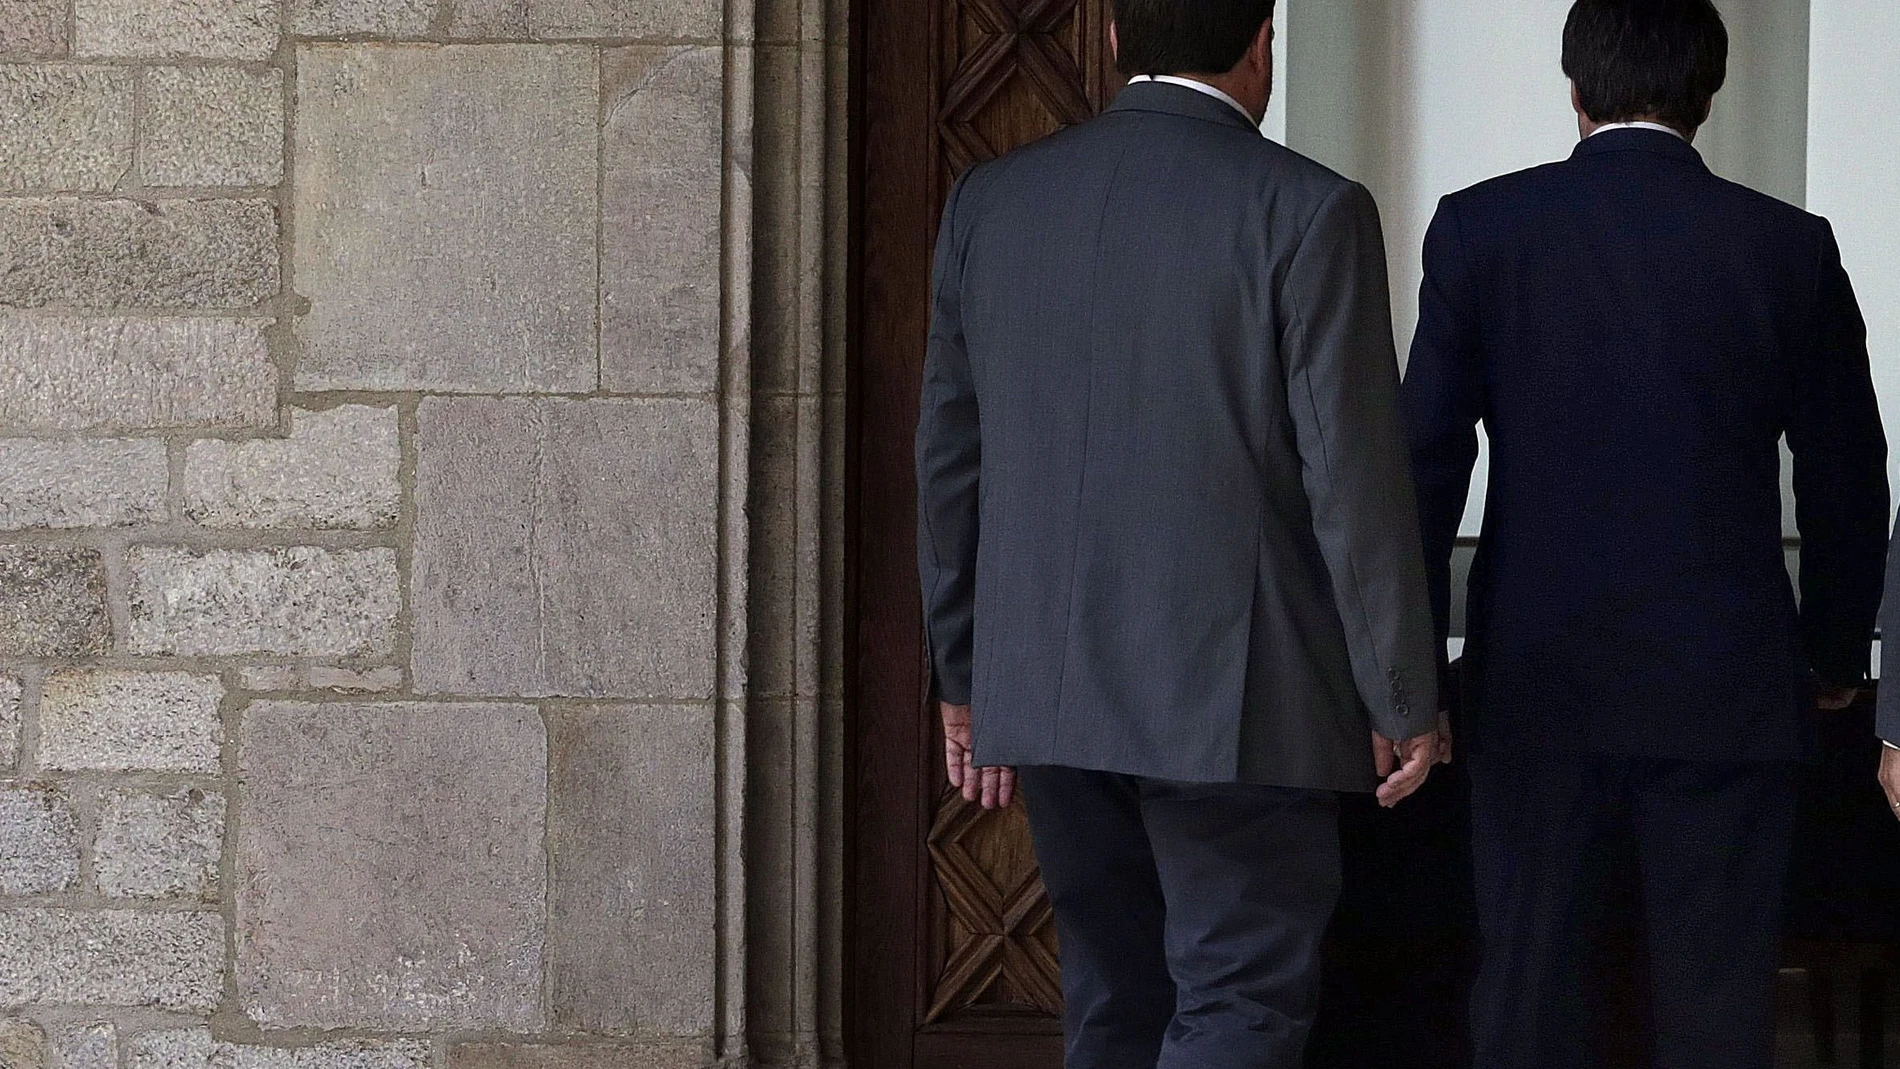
[[1637, 335]]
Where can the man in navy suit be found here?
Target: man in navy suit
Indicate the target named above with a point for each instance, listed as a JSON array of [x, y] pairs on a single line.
[[1637, 337]]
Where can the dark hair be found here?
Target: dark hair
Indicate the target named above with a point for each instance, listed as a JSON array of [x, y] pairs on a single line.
[[1186, 36], [1661, 58]]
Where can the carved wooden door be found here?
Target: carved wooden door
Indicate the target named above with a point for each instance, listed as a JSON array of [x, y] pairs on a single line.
[[952, 952]]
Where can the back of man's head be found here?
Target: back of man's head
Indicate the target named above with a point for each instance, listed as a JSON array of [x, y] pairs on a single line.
[[1186, 36], [1662, 60]]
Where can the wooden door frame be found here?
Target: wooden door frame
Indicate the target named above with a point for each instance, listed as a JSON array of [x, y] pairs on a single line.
[[891, 763]]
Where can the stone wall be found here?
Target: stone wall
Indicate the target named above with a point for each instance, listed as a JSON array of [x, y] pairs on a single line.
[[420, 437]]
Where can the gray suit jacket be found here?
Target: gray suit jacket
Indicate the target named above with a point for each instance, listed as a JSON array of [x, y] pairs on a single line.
[[1166, 522]]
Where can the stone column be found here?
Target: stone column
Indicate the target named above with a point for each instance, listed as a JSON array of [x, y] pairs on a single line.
[[384, 432]]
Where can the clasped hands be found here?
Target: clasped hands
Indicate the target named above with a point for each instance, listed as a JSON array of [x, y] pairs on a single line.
[[1402, 766]]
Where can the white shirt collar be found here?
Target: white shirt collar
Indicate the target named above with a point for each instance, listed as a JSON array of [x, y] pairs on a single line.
[[1199, 87], [1672, 131]]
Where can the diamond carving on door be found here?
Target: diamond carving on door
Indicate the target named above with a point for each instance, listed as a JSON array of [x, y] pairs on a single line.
[[1007, 72]]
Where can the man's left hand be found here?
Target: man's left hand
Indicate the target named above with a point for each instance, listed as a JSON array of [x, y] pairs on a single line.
[[1832, 699], [992, 788], [1890, 777]]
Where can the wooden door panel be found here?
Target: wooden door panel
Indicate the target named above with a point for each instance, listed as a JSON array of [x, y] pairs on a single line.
[[953, 946]]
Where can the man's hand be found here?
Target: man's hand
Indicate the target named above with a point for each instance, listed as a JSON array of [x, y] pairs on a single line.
[[1890, 777], [993, 788], [1832, 699], [1403, 765]]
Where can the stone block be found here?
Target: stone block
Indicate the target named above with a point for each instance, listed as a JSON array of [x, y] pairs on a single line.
[[661, 153], [171, 1048], [378, 18], [336, 471], [323, 677], [193, 1048], [188, 254], [155, 29], [159, 845], [85, 1045], [352, 1054], [61, 373], [658, 1055], [53, 602], [631, 947], [39, 841], [10, 691], [81, 483], [565, 548], [569, 19], [283, 677], [171, 960], [447, 209], [213, 126], [62, 126], [391, 866], [119, 721], [22, 1044], [34, 27], [299, 601]]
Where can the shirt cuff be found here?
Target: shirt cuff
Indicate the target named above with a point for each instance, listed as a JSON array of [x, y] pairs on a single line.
[[1889, 745]]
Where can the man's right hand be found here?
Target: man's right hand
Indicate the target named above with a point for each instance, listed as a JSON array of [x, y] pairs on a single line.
[[1403, 766]]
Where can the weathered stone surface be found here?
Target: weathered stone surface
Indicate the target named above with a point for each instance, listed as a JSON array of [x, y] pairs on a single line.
[[63, 126], [282, 677], [323, 677], [658, 1055], [391, 866], [381, 18], [565, 548], [133, 254], [10, 690], [660, 202], [119, 373], [130, 721], [295, 600], [159, 845], [85, 1045], [630, 941], [34, 27], [337, 470], [39, 841], [171, 1048], [775, 562], [81, 483], [777, 182], [446, 217], [193, 1048], [771, 845], [354, 1054], [53, 602], [215, 29], [558, 19], [173, 961], [22, 1044], [213, 126]]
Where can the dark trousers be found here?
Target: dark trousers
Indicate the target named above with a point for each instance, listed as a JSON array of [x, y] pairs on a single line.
[[1712, 843], [1190, 916]]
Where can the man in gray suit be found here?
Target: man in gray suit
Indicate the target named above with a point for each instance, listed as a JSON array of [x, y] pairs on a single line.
[[1170, 557]]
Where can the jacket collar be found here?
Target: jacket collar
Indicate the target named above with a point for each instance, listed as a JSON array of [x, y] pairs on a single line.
[[1179, 100], [1635, 140]]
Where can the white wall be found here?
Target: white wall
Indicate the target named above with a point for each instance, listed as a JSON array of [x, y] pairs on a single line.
[[1853, 167]]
